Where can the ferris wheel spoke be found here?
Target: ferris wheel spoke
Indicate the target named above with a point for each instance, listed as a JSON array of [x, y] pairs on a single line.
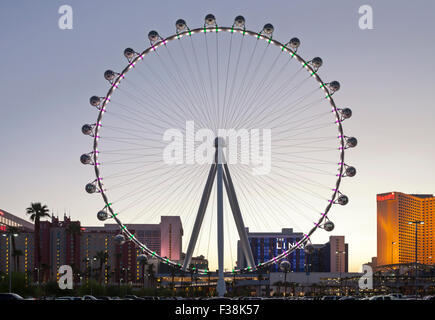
[[198, 84], [254, 95], [241, 102], [233, 100], [144, 101], [186, 87], [226, 82], [276, 104], [172, 190], [167, 94], [291, 195], [260, 205], [227, 105]]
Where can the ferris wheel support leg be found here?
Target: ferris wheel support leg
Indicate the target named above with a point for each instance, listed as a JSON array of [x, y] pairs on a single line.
[[220, 231], [237, 214], [200, 216]]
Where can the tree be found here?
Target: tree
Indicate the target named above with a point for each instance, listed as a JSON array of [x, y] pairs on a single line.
[[101, 257], [37, 211]]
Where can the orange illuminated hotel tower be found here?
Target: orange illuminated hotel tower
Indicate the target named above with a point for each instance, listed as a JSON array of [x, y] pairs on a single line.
[[396, 236]]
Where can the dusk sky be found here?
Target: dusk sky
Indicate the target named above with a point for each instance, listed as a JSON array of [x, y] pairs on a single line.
[[48, 75]]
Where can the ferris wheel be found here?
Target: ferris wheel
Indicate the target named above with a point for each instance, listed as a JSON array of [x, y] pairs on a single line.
[[194, 85]]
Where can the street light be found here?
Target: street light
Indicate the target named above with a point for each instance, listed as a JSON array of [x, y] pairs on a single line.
[[90, 273], [339, 253], [10, 235]]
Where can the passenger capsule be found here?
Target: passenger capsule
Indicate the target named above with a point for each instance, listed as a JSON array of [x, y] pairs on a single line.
[[350, 171], [210, 20], [180, 24], [239, 21], [90, 188], [317, 62], [129, 53], [351, 142], [334, 86], [294, 43], [120, 239], [343, 200], [87, 129], [109, 75], [153, 36], [102, 215], [346, 113], [268, 29], [328, 226], [95, 101], [85, 158]]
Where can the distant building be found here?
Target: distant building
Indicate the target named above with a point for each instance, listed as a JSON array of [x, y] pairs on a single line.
[[329, 257], [67, 242], [22, 260], [8, 219], [396, 236]]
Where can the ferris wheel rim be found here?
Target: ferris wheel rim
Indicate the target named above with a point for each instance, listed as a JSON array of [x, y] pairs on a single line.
[[189, 32]]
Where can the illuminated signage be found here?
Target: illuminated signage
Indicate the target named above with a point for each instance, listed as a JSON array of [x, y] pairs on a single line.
[[2, 228], [282, 243], [389, 196], [1, 213]]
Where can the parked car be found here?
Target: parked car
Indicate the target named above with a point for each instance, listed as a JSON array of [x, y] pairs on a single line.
[[104, 298], [10, 296], [330, 298], [348, 298], [133, 297], [64, 298], [429, 298], [383, 297], [89, 297]]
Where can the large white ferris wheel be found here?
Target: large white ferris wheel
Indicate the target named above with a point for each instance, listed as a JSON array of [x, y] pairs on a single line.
[[213, 78]]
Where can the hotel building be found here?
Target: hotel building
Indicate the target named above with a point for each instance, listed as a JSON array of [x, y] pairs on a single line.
[[329, 257], [396, 242]]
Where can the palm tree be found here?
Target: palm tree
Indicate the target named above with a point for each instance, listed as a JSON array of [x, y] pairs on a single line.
[[101, 257], [36, 212], [12, 232]]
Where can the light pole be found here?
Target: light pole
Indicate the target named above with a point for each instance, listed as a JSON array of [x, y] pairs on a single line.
[[392, 247], [90, 273], [37, 272], [339, 253], [416, 223], [285, 267], [10, 235]]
